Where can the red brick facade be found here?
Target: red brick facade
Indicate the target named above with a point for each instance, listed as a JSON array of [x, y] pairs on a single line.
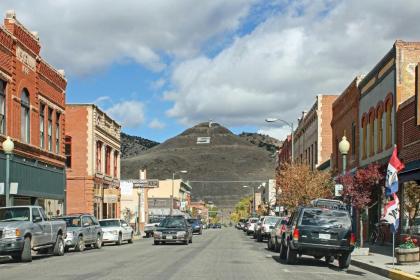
[[285, 153], [345, 121]]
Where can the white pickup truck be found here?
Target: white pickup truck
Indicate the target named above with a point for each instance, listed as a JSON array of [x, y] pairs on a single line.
[[26, 228]]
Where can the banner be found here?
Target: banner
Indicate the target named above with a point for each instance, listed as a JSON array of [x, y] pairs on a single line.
[[394, 166], [392, 213]]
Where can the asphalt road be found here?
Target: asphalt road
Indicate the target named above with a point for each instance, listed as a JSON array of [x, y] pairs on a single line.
[[217, 254]]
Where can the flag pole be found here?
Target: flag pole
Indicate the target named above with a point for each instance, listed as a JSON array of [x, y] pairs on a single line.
[[393, 250]]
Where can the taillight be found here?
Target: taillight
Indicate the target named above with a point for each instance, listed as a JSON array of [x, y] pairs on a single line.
[[296, 234], [352, 239]]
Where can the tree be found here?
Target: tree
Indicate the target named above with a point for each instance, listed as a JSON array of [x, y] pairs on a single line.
[[298, 185], [242, 209], [358, 189]]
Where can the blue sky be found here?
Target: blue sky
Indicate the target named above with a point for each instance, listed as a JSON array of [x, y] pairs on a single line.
[[160, 66]]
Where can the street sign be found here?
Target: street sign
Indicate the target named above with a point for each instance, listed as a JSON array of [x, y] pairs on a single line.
[[144, 183], [338, 189]]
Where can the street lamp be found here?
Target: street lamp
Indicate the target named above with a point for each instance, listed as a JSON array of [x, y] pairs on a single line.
[[289, 124], [8, 147], [173, 179], [344, 147]]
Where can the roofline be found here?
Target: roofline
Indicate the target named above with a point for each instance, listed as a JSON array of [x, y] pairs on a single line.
[[93, 106]]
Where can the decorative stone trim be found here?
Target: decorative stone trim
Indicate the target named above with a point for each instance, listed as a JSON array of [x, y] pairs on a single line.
[[5, 77], [50, 104]]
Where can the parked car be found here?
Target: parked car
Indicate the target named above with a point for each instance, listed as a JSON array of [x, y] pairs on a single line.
[[197, 225], [82, 230], [26, 228], [241, 224], [116, 231], [173, 229], [154, 221], [218, 225], [249, 227], [264, 229], [319, 232], [257, 226], [276, 232]]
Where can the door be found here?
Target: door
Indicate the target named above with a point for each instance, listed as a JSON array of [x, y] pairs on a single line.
[[126, 229], [47, 228], [87, 225], [37, 230]]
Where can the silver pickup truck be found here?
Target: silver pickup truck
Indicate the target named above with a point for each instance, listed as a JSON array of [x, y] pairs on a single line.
[[26, 228]]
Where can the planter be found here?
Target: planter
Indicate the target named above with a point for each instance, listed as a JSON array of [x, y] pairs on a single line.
[[360, 252], [407, 256]]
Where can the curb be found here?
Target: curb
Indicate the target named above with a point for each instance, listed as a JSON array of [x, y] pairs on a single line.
[[388, 273]]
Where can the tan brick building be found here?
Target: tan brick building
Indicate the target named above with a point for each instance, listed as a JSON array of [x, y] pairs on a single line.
[[345, 121], [32, 113], [313, 136], [93, 161]]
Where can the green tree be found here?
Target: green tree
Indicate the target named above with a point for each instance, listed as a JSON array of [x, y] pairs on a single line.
[[242, 209]]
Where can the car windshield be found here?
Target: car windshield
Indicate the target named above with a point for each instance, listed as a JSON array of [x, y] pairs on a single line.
[[172, 223], [271, 220], [71, 221], [109, 223], [253, 220], [155, 220], [325, 217], [14, 214], [193, 221]]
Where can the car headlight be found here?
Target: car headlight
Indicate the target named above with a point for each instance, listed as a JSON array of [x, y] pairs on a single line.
[[157, 233], [114, 232], [11, 233], [180, 233]]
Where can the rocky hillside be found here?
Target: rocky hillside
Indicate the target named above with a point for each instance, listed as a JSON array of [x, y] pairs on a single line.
[[217, 170], [263, 141], [132, 146]]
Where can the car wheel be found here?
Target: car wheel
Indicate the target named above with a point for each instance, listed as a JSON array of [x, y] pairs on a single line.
[[291, 256], [80, 246], [98, 242], [276, 245], [131, 239], [26, 254], [269, 244], [344, 260], [282, 251], [186, 242], [156, 242], [59, 246], [190, 240], [119, 242], [259, 238]]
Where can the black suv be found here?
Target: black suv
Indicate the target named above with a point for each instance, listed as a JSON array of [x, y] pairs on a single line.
[[319, 232]]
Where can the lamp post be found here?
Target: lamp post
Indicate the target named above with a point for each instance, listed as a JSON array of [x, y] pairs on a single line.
[[344, 147], [173, 179], [289, 124], [8, 147]]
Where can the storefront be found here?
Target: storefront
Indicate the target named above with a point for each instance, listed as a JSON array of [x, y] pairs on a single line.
[[37, 183], [410, 199]]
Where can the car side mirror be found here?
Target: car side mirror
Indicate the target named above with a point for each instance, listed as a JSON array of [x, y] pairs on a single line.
[[37, 219], [86, 224]]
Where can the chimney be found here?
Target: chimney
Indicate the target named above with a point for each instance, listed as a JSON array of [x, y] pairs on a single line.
[[10, 14]]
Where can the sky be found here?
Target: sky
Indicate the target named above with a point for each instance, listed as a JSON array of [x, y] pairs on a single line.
[[159, 67]]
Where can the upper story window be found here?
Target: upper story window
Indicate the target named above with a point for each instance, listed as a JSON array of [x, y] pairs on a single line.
[[67, 150], [50, 114], [98, 156], [353, 139], [388, 106], [108, 160], [379, 129], [42, 126], [372, 134], [116, 164], [2, 107], [364, 137], [24, 117], [57, 133]]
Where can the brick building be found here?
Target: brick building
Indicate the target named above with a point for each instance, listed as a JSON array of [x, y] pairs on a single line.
[[408, 127], [93, 161], [382, 91], [345, 121], [285, 153], [32, 113], [313, 136]]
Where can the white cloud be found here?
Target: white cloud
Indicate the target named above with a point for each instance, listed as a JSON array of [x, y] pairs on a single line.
[[129, 114], [83, 36], [312, 47], [279, 133], [102, 99], [158, 84], [156, 124]]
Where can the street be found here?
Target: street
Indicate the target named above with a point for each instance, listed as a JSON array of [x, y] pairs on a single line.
[[217, 254]]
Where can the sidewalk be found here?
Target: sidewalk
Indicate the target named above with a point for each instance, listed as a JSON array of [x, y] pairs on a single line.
[[379, 261]]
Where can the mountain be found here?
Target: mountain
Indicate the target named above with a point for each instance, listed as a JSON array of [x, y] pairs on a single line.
[[134, 145], [263, 141], [217, 170]]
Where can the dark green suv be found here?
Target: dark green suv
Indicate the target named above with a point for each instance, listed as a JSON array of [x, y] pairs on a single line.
[[319, 232]]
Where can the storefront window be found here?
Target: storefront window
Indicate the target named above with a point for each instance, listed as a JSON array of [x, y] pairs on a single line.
[[410, 220]]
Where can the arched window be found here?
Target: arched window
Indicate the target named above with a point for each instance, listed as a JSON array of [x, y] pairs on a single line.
[[371, 133], [2, 107], [388, 107], [24, 117], [364, 137], [379, 129]]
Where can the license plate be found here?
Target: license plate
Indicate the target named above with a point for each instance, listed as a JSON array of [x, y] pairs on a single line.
[[169, 237], [324, 236]]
